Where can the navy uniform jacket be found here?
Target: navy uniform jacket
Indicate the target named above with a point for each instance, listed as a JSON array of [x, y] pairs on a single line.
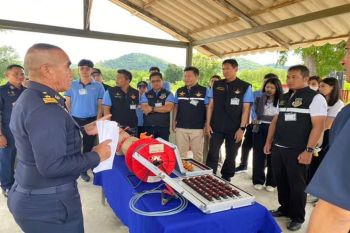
[[48, 140], [331, 181], [8, 96]]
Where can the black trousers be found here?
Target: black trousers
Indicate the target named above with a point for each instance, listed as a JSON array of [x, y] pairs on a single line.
[[140, 129], [316, 161], [290, 178], [247, 145], [158, 132], [261, 160], [231, 147], [88, 140]]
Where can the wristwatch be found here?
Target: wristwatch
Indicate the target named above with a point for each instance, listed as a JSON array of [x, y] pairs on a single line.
[[310, 149], [242, 128]]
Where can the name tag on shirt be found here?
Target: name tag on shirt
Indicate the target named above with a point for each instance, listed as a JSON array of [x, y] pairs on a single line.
[[157, 105], [82, 91], [194, 102], [234, 101], [133, 106], [290, 117]]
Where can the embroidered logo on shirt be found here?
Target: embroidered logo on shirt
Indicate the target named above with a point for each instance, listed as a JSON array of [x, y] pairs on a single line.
[[297, 102], [282, 102], [162, 96], [150, 96], [182, 93], [198, 94], [133, 96], [237, 92], [11, 93], [220, 88]]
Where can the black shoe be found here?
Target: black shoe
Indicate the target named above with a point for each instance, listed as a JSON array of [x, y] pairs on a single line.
[[85, 177], [294, 226], [241, 169], [277, 213], [226, 178]]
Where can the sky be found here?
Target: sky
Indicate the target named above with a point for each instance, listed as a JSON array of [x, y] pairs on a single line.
[[68, 13]]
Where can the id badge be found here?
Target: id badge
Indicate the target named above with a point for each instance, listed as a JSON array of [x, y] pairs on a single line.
[[194, 102], [82, 91], [234, 101], [290, 117], [157, 105], [133, 106]]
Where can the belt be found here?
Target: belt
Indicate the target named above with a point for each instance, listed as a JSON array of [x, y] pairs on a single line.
[[49, 190]]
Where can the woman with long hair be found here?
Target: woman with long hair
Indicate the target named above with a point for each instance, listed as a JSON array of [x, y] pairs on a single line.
[[266, 107], [330, 89]]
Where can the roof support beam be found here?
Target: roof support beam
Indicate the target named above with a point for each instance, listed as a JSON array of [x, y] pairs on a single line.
[[87, 13], [32, 27], [149, 3], [189, 55], [250, 14], [153, 17], [276, 25], [142, 11], [250, 21]]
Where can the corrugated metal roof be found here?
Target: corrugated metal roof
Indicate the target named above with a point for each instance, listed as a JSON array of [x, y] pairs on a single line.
[[231, 27]]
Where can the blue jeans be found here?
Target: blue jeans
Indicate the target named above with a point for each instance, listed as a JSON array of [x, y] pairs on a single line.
[[7, 160]]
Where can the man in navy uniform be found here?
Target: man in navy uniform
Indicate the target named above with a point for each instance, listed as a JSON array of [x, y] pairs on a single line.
[[44, 197], [142, 88], [294, 133], [84, 102], [122, 101], [96, 74], [227, 117], [189, 115], [156, 105], [9, 94], [166, 84], [331, 181]]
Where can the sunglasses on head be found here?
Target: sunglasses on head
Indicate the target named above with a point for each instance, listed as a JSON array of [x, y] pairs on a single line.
[[141, 86]]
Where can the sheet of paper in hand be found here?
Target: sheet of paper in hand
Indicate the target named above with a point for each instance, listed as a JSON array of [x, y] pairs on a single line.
[[107, 130]]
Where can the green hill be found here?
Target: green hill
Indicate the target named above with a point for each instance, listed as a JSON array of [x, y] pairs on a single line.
[[245, 64], [134, 61]]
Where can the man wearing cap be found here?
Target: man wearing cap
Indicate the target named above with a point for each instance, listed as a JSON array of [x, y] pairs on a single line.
[[189, 115], [9, 94], [156, 105], [122, 101], [142, 87], [84, 103], [166, 84], [96, 74]]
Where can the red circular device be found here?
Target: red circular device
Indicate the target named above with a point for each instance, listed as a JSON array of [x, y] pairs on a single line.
[[161, 155]]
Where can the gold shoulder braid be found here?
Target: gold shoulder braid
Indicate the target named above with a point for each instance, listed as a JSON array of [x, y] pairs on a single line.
[[49, 100]]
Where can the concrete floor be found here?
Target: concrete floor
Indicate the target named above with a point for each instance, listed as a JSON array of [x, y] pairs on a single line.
[[99, 218]]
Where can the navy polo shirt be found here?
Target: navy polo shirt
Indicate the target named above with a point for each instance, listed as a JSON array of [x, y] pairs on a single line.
[[8, 96], [84, 98], [47, 139], [331, 181]]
